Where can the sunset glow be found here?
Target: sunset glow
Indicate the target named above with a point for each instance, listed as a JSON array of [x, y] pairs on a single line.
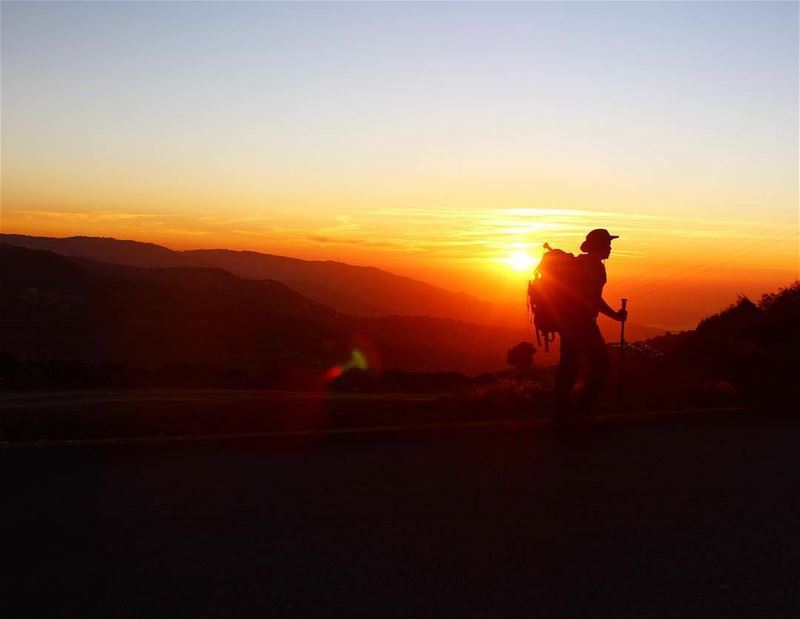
[[394, 136], [520, 261]]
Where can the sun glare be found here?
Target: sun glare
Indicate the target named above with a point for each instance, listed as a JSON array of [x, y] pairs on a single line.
[[520, 261]]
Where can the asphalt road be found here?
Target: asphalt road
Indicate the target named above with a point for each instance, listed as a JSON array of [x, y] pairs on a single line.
[[674, 518]]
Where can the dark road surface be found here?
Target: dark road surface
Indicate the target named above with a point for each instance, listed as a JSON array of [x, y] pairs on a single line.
[[674, 518]]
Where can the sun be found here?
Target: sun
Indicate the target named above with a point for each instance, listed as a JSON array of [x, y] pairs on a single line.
[[520, 261]]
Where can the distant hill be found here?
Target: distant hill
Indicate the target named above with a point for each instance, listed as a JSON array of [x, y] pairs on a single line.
[[61, 308], [56, 307], [348, 289]]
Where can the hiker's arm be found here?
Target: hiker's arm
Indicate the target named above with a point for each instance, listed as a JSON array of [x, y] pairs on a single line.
[[606, 309]]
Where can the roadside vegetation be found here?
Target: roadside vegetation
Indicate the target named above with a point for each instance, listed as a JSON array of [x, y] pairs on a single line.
[[747, 354]]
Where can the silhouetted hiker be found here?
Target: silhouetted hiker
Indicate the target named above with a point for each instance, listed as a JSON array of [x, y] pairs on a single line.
[[580, 335]]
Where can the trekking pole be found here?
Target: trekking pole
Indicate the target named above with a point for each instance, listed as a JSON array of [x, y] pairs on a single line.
[[621, 355]]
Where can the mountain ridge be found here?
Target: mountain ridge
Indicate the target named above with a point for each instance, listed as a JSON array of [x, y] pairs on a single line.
[[55, 307], [357, 290], [361, 291]]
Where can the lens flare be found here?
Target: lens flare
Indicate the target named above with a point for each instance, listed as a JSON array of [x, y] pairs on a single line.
[[358, 360]]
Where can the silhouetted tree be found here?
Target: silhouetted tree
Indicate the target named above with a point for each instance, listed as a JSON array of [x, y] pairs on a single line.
[[520, 357]]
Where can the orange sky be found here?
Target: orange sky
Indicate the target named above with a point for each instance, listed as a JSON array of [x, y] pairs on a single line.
[[674, 269]]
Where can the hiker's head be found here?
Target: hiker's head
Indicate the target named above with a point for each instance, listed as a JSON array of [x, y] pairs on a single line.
[[598, 243]]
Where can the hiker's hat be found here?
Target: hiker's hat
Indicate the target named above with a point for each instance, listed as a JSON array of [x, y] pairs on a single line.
[[597, 238]]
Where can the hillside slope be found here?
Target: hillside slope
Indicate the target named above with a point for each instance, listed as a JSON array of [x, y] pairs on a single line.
[[54, 307], [348, 289]]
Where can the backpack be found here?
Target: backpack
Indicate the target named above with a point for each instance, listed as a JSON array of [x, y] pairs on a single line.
[[554, 294]]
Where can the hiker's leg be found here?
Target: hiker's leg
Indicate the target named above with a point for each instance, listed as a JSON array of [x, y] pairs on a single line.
[[598, 362], [565, 378]]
